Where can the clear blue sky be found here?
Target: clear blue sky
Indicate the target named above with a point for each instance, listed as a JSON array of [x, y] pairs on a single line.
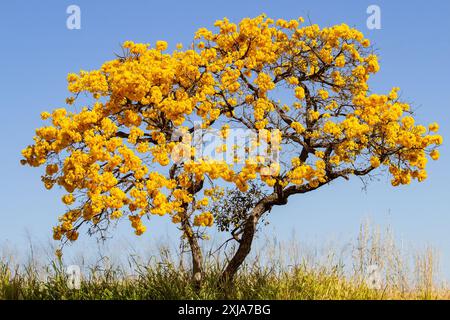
[[37, 51]]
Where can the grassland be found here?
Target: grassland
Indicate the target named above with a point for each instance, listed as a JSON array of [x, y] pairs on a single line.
[[275, 271]]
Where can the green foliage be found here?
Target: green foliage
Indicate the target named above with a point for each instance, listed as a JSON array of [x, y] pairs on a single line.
[[232, 209]]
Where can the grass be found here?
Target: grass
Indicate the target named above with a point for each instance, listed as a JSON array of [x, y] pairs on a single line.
[[276, 271]]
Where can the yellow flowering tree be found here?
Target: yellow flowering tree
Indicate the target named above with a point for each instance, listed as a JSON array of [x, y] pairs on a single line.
[[302, 88]]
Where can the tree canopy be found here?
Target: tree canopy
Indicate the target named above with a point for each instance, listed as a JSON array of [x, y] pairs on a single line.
[[303, 89]]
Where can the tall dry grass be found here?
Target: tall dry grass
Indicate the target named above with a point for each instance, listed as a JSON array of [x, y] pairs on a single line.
[[373, 267]]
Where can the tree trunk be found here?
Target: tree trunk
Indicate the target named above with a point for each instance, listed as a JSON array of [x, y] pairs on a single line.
[[245, 245], [196, 252], [197, 267]]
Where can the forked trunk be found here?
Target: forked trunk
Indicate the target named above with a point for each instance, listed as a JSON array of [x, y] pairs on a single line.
[[244, 248]]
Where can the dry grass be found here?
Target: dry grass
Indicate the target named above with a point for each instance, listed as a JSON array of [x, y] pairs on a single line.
[[277, 270]]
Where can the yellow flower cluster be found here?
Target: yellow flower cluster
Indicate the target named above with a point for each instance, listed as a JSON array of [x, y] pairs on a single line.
[[264, 82], [136, 223], [204, 219], [298, 127], [303, 172], [120, 156], [213, 168]]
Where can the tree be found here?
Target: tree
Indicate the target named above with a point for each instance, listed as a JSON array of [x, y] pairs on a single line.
[[133, 152]]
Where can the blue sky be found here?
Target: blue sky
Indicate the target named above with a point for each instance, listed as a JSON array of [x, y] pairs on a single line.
[[37, 51]]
